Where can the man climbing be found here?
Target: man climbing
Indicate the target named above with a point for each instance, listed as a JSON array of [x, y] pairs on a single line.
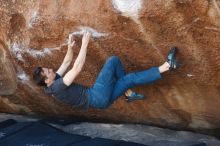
[[111, 83]]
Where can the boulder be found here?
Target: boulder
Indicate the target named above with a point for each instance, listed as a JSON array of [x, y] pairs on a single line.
[[140, 32]]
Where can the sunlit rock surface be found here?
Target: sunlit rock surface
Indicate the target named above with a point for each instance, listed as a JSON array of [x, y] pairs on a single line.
[[140, 32]]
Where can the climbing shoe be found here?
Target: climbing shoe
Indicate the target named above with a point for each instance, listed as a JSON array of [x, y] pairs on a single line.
[[171, 59], [134, 96]]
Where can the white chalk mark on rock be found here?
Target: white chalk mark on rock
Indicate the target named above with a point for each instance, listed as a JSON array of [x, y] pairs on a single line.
[[128, 8], [213, 28], [190, 75], [22, 76], [18, 51], [34, 18], [94, 33], [41, 53]]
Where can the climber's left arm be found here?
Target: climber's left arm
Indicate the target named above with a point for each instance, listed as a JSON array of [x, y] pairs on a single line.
[[68, 58]]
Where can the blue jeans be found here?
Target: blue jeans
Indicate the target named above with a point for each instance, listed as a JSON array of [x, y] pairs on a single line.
[[113, 82]]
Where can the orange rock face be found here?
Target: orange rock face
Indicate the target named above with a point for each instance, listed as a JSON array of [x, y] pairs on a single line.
[[139, 32]]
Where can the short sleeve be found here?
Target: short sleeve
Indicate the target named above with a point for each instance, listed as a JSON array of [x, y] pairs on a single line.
[[57, 86], [57, 76]]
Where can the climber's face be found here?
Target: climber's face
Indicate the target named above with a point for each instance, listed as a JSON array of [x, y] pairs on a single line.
[[49, 75]]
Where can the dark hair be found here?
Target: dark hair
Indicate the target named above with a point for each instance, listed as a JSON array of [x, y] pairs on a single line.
[[38, 78]]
